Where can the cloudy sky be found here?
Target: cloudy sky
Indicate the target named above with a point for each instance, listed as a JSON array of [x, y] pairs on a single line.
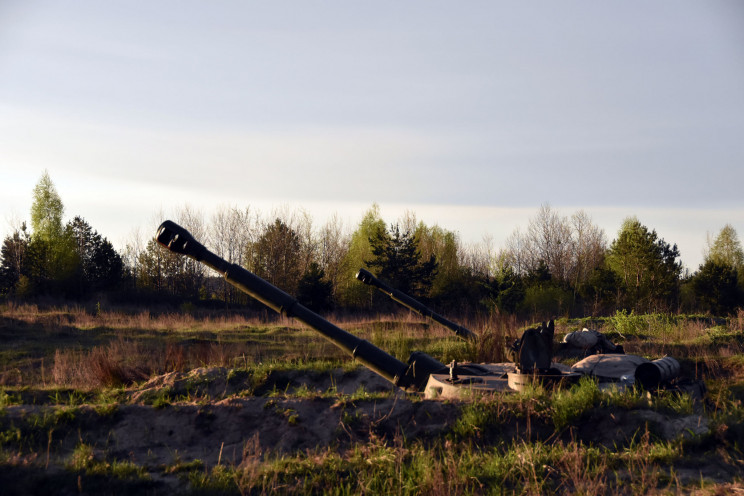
[[472, 115]]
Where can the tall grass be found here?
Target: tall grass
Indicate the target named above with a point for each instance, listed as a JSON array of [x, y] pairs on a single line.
[[124, 362], [78, 346], [445, 468]]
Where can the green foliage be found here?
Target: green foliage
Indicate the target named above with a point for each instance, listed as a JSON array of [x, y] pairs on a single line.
[[628, 324], [84, 459], [716, 287], [507, 290], [314, 291], [50, 261], [478, 418], [569, 405], [547, 301], [726, 249], [7, 399], [647, 267], [397, 260], [46, 211], [642, 325], [100, 266], [451, 286], [55, 260], [12, 260], [351, 293], [601, 292], [276, 256], [218, 480]]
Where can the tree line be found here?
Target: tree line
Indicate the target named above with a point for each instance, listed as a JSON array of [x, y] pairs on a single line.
[[559, 265]]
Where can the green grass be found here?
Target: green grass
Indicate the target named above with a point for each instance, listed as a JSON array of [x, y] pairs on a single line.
[[517, 467], [538, 441], [569, 405]]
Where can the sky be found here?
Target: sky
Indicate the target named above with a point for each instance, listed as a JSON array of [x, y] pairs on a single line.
[[470, 114]]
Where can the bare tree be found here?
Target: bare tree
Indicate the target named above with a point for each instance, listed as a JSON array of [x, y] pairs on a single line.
[[333, 246], [549, 238], [569, 248], [475, 257], [232, 231], [408, 221], [302, 223], [589, 247], [516, 252], [192, 274]]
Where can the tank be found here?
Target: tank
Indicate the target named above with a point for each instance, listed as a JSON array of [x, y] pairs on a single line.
[[421, 373], [533, 360]]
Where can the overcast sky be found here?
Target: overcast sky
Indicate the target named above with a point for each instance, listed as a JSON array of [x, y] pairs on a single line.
[[470, 114]]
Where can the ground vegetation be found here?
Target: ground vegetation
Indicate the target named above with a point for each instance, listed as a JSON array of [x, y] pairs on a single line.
[[213, 402]]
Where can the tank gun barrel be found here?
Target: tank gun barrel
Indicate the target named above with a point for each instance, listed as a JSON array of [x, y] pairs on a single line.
[[412, 376], [368, 278]]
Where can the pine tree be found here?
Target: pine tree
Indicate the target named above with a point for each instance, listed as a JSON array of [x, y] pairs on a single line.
[[715, 286], [100, 265], [12, 256], [313, 290], [398, 261], [276, 256], [647, 267]]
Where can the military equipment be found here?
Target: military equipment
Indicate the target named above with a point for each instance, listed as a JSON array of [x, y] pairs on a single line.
[[532, 353], [368, 278], [653, 374], [421, 373]]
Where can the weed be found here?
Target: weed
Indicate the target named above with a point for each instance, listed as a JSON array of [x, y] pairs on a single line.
[[106, 409], [219, 480], [82, 457], [478, 418], [8, 399], [158, 398], [111, 396], [674, 402], [304, 391], [353, 420], [569, 405], [71, 398], [161, 401], [181, 466]]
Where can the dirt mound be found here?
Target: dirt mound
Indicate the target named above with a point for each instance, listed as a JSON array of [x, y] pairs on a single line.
[[218, 383], [228, 428], [213, 416]]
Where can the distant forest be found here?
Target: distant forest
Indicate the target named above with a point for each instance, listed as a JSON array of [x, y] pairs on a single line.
[[556, 266]]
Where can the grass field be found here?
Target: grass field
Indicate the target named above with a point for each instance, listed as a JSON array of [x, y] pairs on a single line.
[[131, 402]]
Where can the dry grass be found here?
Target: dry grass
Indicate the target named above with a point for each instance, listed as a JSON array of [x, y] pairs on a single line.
[[82, 318], [119, 347], [124, 362], [101, 349], [112, 365]]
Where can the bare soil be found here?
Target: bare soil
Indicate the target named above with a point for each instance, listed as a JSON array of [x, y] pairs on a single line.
[[209, 418]]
